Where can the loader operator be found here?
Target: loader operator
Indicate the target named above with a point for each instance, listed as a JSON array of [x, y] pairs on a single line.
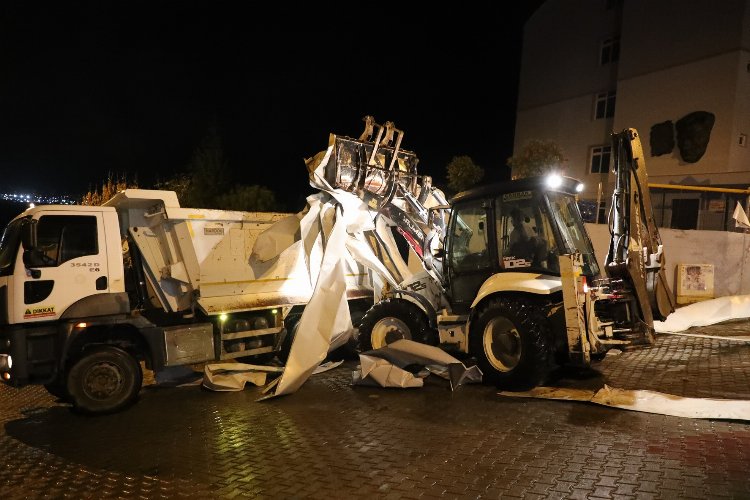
[[521, 245]]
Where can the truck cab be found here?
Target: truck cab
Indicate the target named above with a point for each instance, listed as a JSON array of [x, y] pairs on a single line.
[[57, 262]]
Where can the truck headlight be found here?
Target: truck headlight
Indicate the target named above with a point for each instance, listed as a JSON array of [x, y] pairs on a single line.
[[6, 362]]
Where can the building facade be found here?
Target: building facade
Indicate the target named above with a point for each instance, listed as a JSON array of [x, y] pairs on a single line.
[[678, 72]]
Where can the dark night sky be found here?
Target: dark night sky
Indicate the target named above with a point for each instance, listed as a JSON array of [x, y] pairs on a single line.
[[130, 87]]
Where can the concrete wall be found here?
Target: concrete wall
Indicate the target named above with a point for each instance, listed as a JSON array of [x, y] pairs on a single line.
[[728, 252]]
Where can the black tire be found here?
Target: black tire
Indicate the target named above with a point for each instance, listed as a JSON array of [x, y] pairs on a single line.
[[291, 322], [104, 379], [512, 343], [391, 320], [58, 390]]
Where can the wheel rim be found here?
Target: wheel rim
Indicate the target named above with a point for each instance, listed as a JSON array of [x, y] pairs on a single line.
[[102, 381], [389, 330], [502, 344]]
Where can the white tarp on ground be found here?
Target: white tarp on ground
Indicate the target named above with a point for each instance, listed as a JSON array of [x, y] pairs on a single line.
[[385, 367], [234, 376], [646, 401], [704, 313]]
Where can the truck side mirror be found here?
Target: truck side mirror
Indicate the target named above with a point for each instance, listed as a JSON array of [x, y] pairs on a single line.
[[28, 234], [32, 257]]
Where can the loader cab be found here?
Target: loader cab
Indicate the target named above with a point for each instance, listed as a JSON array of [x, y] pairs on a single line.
[[519, 227]]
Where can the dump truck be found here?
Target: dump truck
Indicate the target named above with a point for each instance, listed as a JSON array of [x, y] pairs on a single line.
[[90, 294]]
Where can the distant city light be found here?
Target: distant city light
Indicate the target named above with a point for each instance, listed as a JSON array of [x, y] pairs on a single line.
[[38, 199]]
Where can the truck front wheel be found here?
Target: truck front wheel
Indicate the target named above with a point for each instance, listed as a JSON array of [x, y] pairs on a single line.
[[512, 344], [105, 379], [391, 320]]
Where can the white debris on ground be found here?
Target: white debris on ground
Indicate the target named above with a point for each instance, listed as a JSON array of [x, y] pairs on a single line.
[[704, 313], [646, 401], [385, 367], [234, 376]]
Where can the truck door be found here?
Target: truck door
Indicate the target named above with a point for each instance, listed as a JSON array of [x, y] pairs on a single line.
[[71, 264]]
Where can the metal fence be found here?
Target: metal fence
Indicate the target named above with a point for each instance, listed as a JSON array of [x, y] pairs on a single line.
[[683, 207]]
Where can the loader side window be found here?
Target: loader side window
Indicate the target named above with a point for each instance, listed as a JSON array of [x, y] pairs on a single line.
[[65, 237], [468, 250]]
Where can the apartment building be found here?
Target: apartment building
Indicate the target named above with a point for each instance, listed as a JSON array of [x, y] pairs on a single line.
[[678, 72]]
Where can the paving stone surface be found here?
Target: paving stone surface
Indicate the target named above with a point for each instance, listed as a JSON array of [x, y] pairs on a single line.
[[334, 440]]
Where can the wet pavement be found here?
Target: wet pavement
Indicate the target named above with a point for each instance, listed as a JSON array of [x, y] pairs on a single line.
[[334, 440]]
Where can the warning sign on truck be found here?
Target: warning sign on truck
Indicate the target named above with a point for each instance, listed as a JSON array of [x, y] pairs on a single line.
[[38, 312]]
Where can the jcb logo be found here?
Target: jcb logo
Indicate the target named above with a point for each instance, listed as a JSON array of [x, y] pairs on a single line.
[[417, 286]]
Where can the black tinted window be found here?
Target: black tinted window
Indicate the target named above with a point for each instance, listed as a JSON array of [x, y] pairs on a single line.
[[65, 237]]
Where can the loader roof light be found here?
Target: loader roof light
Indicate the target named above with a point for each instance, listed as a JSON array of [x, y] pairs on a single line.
[[223, 317], [554, 181], [579, 187]]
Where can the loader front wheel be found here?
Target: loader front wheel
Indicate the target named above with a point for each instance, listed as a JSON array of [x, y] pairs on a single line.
[[391, 320], [104, 379], [512, 344]]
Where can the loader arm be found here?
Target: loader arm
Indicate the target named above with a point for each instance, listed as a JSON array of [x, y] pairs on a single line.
[[384, 175], [636, 254]]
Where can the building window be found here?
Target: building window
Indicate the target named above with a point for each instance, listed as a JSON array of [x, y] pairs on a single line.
[[605, 105], [600, 156], [609, 51]]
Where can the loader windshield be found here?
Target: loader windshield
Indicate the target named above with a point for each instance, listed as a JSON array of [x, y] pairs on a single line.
[[567, 217]]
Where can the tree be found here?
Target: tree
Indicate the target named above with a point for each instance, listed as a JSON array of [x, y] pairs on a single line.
[[463, 173], [109, 188], [207, 172], [207, 181], [179, 183], [537, 157], [249, 198]]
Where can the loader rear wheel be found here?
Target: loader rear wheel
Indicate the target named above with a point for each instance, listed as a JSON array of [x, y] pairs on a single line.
[[391, 320], [512, 343], [103, 380]]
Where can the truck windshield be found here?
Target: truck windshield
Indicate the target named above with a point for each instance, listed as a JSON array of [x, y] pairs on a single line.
[[9, 247], [568, 219]]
